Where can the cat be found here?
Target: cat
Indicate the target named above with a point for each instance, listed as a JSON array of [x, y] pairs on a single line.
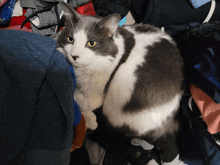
[[134, 72]]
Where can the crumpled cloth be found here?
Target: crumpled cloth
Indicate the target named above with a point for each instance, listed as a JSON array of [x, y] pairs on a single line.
[[209, 109], [45, 23]]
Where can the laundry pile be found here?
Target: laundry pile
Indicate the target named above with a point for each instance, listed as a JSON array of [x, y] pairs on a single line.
[[44, 15]]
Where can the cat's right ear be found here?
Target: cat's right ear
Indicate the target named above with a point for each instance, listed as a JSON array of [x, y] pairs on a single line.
[[110, 22], [71, 15]]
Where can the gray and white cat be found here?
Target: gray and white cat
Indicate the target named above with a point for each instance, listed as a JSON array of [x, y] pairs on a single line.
[[133, 72]]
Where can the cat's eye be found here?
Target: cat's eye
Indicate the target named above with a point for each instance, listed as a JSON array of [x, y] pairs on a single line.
[[91, 44], [70, 39]]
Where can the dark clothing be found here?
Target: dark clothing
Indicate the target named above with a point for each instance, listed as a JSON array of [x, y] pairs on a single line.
[[157, 12], [199, 47], [36, 107]]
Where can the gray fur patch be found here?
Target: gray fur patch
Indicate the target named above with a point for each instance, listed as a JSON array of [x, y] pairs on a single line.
[[129, 43], [159, 78]]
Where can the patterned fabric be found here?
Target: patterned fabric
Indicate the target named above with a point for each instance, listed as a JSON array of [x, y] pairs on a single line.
[[6, 12]]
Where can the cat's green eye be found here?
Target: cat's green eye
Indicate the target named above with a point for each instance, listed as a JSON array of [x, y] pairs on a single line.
[[91, 44], [70, 39]]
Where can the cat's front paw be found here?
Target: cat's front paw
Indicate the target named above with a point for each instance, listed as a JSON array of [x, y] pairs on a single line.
[[92, 125], [90, 118]]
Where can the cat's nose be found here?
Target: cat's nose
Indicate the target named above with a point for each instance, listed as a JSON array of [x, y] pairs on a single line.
[[75, 57]]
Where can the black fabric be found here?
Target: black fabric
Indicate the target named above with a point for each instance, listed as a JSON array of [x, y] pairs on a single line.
[[106, 7], [79, 156], [199, 47], [157, 12], [167, 148], [36, 92], [204, 142]]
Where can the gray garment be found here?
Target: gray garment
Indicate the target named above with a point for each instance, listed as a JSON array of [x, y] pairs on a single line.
[[76, 3], [47, 19], [28, 3], [35, 3], [95, 152]]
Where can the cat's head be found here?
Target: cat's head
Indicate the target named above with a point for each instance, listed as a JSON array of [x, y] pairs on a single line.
[[88, 40]]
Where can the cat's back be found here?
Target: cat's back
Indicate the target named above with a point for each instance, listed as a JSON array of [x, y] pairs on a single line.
[[149, 80], [152, 45], [140, 31], [151, 62]]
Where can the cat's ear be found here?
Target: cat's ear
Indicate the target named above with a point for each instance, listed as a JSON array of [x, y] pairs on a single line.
[[111, 22], [70, 14]]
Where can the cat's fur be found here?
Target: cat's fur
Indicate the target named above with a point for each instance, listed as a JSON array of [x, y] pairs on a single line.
[[134, 72]]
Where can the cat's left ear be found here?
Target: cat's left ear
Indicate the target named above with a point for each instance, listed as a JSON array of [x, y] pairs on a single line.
[[70, 14], [111, 22]]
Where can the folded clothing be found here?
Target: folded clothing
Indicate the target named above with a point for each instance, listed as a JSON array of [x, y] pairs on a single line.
[[210, 110]]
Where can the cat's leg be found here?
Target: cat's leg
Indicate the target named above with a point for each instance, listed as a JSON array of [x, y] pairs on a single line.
[[90, 118], [87, 104], [96, 153]]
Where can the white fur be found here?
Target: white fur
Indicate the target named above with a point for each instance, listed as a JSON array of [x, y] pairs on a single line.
[[144, 121], [87, 60], [176, 161], [151, 37], [122, 87], [92, 72], [152, 162]]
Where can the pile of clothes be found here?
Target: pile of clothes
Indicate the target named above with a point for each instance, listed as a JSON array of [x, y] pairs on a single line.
[[42, 14], [199, 47]]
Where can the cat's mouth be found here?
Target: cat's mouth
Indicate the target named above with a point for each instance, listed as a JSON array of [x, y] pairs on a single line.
[[75, 57], [76, 63], [72, 61]]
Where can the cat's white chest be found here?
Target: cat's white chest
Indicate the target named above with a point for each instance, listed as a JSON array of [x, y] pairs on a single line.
[[89, 96]]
